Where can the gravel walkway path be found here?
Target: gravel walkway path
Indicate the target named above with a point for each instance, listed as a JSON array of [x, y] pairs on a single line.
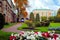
[[13, 28]]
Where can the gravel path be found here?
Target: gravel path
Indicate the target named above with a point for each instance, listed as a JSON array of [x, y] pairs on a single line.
[[13, 28]]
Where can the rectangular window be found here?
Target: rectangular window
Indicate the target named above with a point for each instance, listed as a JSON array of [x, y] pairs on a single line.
[[0, 4], [6, 7]]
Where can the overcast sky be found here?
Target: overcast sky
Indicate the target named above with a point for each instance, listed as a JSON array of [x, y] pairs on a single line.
[[43, 4]]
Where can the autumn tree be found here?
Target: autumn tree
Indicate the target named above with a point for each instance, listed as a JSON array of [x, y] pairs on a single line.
[[58, 13], [57, 18], [21, 4]]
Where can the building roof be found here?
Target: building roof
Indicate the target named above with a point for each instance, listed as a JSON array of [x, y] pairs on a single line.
[[8, 3], [43, 9]]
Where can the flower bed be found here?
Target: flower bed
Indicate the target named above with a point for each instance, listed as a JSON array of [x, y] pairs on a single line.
[[31, 35]]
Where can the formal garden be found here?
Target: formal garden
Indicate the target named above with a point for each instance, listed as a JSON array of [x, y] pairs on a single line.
[[39, 28], [32, 23]]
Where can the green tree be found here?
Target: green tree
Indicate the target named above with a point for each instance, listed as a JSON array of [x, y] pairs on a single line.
[[52, 18], [44, 18], [32, 17], [37, 18]]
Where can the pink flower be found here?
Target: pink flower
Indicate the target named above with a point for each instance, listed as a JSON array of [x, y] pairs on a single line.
[[36, 33], [55, 36], [46, 34]]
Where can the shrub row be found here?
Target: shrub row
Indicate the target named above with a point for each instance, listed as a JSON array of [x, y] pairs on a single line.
[[43, 23], [38, 24]]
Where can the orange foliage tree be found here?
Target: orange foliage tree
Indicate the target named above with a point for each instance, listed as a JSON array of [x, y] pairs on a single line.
[[21, 4]]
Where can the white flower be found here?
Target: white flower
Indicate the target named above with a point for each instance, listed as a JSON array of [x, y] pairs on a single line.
[[28, 37], [53, 31], [53, 39], [35, 35], [39, 34], [51, 34], [28, 33], [12, 34], [49, 31], [32, 37], [49, 39], [18, 35], [15, 35], [25, 34], [58, 38], [32, 32]]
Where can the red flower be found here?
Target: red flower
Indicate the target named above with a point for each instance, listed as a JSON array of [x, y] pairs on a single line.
[[36, 33], [55, 36], [12, 37], [46, 34]]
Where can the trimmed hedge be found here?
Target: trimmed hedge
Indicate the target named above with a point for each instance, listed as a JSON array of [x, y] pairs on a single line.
[[43, 23]]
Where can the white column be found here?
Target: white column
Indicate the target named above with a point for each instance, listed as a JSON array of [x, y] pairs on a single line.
[[47, 15]]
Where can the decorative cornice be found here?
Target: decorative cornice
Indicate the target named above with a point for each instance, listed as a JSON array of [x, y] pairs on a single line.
[[8, 4]]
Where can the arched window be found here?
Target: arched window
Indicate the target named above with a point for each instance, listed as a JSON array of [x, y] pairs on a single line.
[[4, 14], [0, 3]]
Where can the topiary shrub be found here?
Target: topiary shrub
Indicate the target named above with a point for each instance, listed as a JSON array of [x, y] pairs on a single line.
[[42, 23], [38, 24], [29, 23], [2, 21], [37, 19], [31, 16], [47, 23], [43, 18], [52, 18]]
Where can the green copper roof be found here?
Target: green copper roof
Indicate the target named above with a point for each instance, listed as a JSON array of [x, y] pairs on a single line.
[[42, 9]]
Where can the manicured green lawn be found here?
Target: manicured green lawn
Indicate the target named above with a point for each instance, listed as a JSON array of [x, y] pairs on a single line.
[[9, 25], [43, 29], [23, 26], [52, 25], [4, 35]]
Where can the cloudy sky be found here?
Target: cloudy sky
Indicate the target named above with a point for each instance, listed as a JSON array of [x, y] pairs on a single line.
[[43, 4]]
